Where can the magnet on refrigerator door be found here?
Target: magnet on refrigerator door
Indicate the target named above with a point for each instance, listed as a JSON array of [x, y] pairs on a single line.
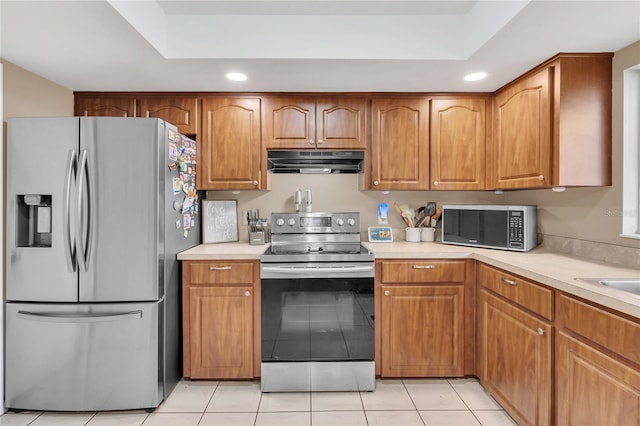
[[173, 152]]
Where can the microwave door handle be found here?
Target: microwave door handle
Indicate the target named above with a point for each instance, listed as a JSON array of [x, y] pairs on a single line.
[[69, 243]]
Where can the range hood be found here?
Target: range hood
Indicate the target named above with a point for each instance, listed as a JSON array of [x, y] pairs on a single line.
[[313, 161]]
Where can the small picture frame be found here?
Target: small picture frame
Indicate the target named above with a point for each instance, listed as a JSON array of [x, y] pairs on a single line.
[[220, 221], [380, 234]]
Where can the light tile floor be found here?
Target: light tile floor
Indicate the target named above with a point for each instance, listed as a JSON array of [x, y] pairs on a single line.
[[456, 402]]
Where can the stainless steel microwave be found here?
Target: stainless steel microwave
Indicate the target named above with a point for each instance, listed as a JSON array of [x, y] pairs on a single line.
[[492, 226]]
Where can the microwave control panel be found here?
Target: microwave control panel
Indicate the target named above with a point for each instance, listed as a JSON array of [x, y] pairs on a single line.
[[516, 229]]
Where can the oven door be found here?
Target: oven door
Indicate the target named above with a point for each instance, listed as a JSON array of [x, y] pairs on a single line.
[[317, 312]]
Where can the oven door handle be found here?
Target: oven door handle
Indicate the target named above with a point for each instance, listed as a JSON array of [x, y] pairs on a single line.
[[299, 269]]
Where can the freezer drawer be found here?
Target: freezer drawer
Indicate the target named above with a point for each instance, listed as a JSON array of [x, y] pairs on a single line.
[[64, 357]]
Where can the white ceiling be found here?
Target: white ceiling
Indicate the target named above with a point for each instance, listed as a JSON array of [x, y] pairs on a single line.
[[303, 45]]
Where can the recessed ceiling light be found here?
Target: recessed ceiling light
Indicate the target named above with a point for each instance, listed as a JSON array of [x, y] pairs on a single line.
[[475, 76], [236, 76]]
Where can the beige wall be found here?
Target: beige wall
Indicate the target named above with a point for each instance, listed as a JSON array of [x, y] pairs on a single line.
[[28, 95]]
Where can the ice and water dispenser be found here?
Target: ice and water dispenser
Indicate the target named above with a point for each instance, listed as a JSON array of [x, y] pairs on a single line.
[[33, 220]]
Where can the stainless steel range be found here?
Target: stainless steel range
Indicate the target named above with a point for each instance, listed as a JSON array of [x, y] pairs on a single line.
[[317, 305]]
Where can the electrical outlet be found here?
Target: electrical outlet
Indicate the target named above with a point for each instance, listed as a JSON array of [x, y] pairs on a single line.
[[245, 222]]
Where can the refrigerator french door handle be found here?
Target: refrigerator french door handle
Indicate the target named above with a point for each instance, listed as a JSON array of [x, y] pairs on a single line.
[[78, 318], [70, 247], [84, 244]]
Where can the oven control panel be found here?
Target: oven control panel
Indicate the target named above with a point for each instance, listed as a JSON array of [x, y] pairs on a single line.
[[308, 223]]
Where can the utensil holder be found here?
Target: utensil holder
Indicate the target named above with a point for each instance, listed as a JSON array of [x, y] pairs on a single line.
[[257, 238]]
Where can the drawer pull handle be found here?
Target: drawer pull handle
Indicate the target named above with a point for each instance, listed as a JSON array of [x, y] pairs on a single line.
[[386, 292], [247, 293], [219, 268], [540, 331], [510, 282], [424, 267]]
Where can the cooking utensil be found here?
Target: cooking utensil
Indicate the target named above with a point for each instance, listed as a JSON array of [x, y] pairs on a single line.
[[435, 217], [430, 208], [397, 207], [420, 217], [407, 219]]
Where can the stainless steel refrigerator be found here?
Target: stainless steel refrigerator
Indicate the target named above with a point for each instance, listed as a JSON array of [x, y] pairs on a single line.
[[97, 209]]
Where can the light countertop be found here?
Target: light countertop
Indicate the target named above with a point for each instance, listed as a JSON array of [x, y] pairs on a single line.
[[223, 251], [552, 269]]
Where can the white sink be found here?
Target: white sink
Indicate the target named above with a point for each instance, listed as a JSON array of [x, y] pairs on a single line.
[[630, 285]]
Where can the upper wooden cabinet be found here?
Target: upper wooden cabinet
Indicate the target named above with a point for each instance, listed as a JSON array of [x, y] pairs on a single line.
[[181, 111], [303, 122], [459, 128], [398, 157], [95, 105], [229, 150], [552, 127]]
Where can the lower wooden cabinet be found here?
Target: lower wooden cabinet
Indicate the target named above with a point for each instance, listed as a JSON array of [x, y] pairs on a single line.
[[221, 319], [221, 340], [594, 388], [422, 331], [515, 359], [597, 365], [426, 311]]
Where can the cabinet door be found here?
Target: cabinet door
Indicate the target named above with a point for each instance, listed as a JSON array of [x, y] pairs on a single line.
[[514, 350], [422, 331], [221, 340], [341, 123], [289, 122], [181, 111], [593, 388], [105, 106], [520, 153], [399, 157], [230, 145], [458, 132]]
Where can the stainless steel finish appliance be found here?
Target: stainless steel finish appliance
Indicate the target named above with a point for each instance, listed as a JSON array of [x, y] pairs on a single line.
[[504, 227], [317, 305], [315, 161], [97, 209]]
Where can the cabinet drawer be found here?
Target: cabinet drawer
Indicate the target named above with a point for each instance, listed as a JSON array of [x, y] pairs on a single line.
[[609, 330], [222, 272], [519, 290], [423, 271]]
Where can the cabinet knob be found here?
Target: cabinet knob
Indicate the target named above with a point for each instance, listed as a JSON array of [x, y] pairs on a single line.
[[320, 141], [311, 142], [375, 182], [255, 183], [386, 292], [541, 177], [510, 282], [540, 331], [247, 293], [436, 183]]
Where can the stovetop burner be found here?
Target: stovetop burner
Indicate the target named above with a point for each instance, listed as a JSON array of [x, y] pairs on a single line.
[[362, 254]]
